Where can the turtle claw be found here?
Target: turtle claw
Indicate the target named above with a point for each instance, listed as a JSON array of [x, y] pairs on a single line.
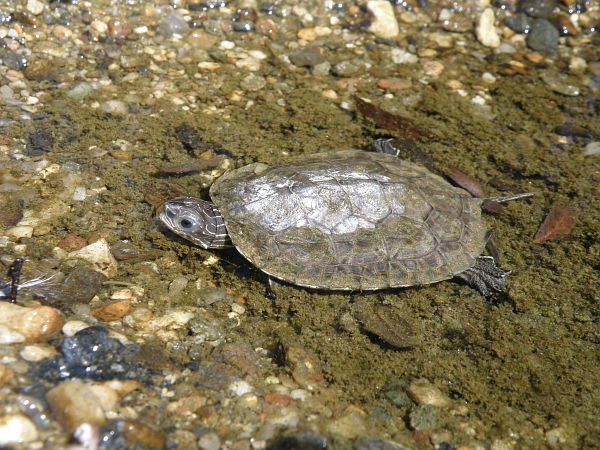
[[484, 275]]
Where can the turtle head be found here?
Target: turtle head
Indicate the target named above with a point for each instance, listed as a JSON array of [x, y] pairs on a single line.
[[196, 220]]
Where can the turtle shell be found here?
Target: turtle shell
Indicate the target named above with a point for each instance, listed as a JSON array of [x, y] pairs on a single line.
[[350, 220]]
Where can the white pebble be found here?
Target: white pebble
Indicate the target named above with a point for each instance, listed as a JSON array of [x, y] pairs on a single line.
[[34, 353], [400, 56], [227, 45], [240, 387], [485, 30], [209, 441], [35, 7], [19, 232], [237, 308], [16, 429], [98, 253], [593, 148], [384, 23], [73, 326], [79, 194]]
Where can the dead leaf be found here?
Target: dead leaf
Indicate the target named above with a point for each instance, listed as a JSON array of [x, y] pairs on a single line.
[[559, 221], [465, 182], [403, 125]]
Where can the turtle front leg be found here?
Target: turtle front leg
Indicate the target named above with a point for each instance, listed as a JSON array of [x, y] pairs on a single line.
[[484, 275]]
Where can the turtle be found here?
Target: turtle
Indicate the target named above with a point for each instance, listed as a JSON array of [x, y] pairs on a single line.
[[349, 220]]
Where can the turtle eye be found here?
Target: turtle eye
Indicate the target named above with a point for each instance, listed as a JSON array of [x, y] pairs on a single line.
[[186, 224]]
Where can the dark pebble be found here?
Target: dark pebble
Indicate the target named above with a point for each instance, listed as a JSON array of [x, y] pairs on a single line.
[[306, 440], [307, 57], [543, 37], [14, 61], [519, 23], [91, 354], [243, 26], [39, 142]]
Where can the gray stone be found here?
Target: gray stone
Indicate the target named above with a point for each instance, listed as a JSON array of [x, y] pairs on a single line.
[[543, 37]]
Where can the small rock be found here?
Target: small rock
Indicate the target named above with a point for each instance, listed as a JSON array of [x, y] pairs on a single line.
[[400, 56], [115, 107], [100, 256], [118, 28], [486, 31], [112, 311], [240, 387], [559, 82], [35, 7], [349, 424], [37, 352], [384, 23], [543, 37], [424, 392], [22, 324], [427, 417], [80, 91], [519, 23], [307, 57], [16, 429], [253, 82], [173, 23], [593, 148], [74, 403], [209, 441], [19, 232], [72, 242]]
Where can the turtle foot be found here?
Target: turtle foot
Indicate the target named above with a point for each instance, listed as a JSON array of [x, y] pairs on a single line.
[[484, 275]]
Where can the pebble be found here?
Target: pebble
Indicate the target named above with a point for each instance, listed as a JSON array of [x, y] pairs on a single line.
[[424, 392], [253, 82], [7, 375], [115, 107], [401, 56], [22, 324], [240, 387], [427, 417], [593, 148], [485, 29], [99, 255], [20, 232], [543, 37], [383, 23], [112, 311], [559, 82], [520, 22], [35, 7], [209, 441], [37, 352], [16, 429], [74, 403], [173, 23], [349, 424]]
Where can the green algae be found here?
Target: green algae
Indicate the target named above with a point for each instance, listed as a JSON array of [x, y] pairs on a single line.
[[522, 361]]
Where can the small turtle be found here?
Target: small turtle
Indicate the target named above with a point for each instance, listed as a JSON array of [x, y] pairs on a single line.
[[346, 220]]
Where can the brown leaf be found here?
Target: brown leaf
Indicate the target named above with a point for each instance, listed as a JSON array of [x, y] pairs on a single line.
[[403, 125], [465, 182], [559, 221]]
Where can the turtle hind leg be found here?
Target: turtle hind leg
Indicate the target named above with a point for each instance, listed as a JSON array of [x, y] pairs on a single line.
[[484, 275]]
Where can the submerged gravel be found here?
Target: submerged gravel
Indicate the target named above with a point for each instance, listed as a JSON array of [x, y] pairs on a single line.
[[128, 338]]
